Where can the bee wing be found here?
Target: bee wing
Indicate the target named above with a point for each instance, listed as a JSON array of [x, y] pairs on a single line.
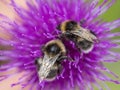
[[86, 34], [49, 61], [46, 66]]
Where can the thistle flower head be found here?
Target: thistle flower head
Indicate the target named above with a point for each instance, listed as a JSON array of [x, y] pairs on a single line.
[[37, 26]]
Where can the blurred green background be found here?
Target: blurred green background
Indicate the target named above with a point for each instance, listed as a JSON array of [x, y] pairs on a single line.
[[112, 14]]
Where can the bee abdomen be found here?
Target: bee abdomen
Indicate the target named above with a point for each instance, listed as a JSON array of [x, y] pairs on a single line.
[[52, 74], [85, 44]]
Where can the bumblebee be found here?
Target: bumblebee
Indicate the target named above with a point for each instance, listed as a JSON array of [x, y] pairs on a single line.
[[83, 38], [49, 66]]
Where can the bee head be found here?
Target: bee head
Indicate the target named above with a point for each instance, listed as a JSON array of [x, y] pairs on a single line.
[[67, 26], [70, 25], [52, 49]]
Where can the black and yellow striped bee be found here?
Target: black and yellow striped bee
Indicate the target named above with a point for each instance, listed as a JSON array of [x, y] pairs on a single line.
[[50, 66], [83, 38]]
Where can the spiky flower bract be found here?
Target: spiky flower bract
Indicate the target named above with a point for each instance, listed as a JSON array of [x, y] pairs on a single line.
[[37, 25]]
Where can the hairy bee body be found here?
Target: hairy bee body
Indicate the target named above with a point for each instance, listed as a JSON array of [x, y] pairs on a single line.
[[83, 38], [85, 45], [50, 66], [51, 72]]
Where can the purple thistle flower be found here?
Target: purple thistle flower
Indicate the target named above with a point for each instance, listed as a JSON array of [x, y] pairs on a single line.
[[38, 26]]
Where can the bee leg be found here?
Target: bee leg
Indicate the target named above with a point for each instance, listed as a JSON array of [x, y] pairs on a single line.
[[58, 27], [78, 48], [61, 36], [36, 60], [65, 57], [42, 48], [92, 32], [60, 68]]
